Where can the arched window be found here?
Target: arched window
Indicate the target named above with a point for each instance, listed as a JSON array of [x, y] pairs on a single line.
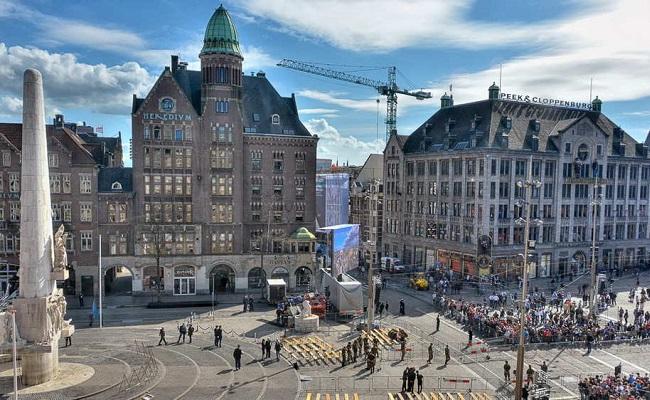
[[583, 152], [156, 132], [275, 119], [116, 186]]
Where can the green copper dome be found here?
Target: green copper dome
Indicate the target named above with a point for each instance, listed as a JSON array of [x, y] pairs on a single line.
[[221, 35]]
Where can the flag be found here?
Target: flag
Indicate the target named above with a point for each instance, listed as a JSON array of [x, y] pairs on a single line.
[[99, 129], [95, 310]]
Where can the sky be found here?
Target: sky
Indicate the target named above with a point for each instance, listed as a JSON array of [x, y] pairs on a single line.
[[95, 55]]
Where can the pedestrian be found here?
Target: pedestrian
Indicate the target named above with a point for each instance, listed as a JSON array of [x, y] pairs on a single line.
[[447, 358], [365, 346], [590, 339], [182, 330], [161, 333], [386, 304], [402, 348], [250, 304], [245, 301], [91, 318], [215, 336], [506, 372], [419, 378], [544, 367], [344, 356], [405, 376], [268, 348], [470, 334], [263, 349], [617, 370], [438, 323], [355, 349], [371, 362], [529, 375], [190, 331], [237, 356], [81, 300], [401, 307], [381, 309], [411, 380], [524, 392], [219, 334], [68, 339], [430, 353], [278, 347]]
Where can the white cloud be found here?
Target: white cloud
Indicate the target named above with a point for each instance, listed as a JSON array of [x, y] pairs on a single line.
[[256, 58], [311, 111], [336, 99], [11, 105], [645, 113], [71, 84], [332, 144]]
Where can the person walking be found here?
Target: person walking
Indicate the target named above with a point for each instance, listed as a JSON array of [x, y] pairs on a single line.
[[381, 309], [237, 356], [470, 334], [91, 318], [190, 332], [420, 378], [68, 339], [250, 304], [411, 380], [386, 304], [344, 356], [405, 376], [355, 349], [544, 367], [430, 353], [263, 349], [506, 372], [81, 300], [245, 302], [268, 348], [447, 357], [529, 375], [182, 330], [161, 333], [218, 335], [278, 347], [590, 340], [402, 348], [402, 308], [438, 323]]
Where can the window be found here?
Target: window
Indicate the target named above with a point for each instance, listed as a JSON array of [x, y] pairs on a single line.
[[117, 213], [56, 212], [221, 157], [622, 171], [117, 244], [14, 182], [256, 117], [222, 243], [300, 161], [53, 160], [222, 134], [549, 168], [6, 159], [256, 160], [222, 213], [156, 132], [167, 132], [221, 106], [222, 185], [567, 147], [55, 183], [85, 183], [275, 119], [504, 167], [86, 212], [147, 132], [86, 240]]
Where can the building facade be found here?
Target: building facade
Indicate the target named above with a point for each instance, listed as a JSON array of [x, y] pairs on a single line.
[[74, 171], [223, 178], [366, 208], [451, 195]]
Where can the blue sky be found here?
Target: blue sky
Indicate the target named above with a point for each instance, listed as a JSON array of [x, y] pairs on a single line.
[[95, 55]]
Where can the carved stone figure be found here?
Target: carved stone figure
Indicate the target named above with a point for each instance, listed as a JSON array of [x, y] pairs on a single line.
[[56, 308], [60, 253], [306, 309]]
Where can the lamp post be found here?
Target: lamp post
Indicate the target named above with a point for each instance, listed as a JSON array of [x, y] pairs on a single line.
[[527, 185], [593, 295]]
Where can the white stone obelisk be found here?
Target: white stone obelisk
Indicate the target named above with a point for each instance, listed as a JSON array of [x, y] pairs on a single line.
[[39, 306]]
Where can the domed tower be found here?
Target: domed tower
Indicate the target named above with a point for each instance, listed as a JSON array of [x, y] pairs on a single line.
[[221, 60]]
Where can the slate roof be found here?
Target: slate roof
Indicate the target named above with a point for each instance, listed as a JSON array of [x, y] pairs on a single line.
[[490, 118], [259, 97], [80, 155], [107, 176], [98, 146]]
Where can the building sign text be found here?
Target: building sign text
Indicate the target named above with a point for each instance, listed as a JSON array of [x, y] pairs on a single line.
[[167, 117], [545, 101]]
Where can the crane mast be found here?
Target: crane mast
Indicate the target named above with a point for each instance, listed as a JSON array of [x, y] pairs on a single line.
[[388, 89]]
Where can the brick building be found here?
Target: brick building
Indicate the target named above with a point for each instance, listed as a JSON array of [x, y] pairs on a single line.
[[223, 170]]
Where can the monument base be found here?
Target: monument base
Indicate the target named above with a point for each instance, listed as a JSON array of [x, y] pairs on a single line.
[[39, 321], [307, 324]]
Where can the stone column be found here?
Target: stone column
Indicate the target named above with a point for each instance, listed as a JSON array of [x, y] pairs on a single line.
[[39, 308]]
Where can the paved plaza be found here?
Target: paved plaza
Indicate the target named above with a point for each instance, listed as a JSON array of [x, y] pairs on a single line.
[[123, 360]]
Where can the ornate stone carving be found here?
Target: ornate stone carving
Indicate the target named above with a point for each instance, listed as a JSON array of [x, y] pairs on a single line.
[[306, 309], [56, 307], [60, 253]]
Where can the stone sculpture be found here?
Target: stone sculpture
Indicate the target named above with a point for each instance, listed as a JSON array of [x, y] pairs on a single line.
[[60, 252], [306, 309]]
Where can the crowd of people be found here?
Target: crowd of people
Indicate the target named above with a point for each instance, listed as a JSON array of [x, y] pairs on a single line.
[[617, 386]]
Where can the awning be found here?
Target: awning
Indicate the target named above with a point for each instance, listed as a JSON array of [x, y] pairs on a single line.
[[276, 282]]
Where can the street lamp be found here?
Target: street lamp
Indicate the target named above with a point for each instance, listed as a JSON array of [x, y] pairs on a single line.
[[527, 185]]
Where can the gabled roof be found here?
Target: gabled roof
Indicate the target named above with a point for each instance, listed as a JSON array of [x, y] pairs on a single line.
[[13, 132], [107, 176]]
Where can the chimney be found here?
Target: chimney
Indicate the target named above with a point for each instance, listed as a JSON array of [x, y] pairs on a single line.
[[174, 63], [493, 92], [261, 74], [596, 104], [58, 121]]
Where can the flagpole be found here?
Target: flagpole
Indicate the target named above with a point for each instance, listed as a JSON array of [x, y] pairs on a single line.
[[99, 263]]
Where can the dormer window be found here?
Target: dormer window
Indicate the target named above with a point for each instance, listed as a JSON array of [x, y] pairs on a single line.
[[256, 117], [275, 119], [535, 125], [506, 122], [116, 186]]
